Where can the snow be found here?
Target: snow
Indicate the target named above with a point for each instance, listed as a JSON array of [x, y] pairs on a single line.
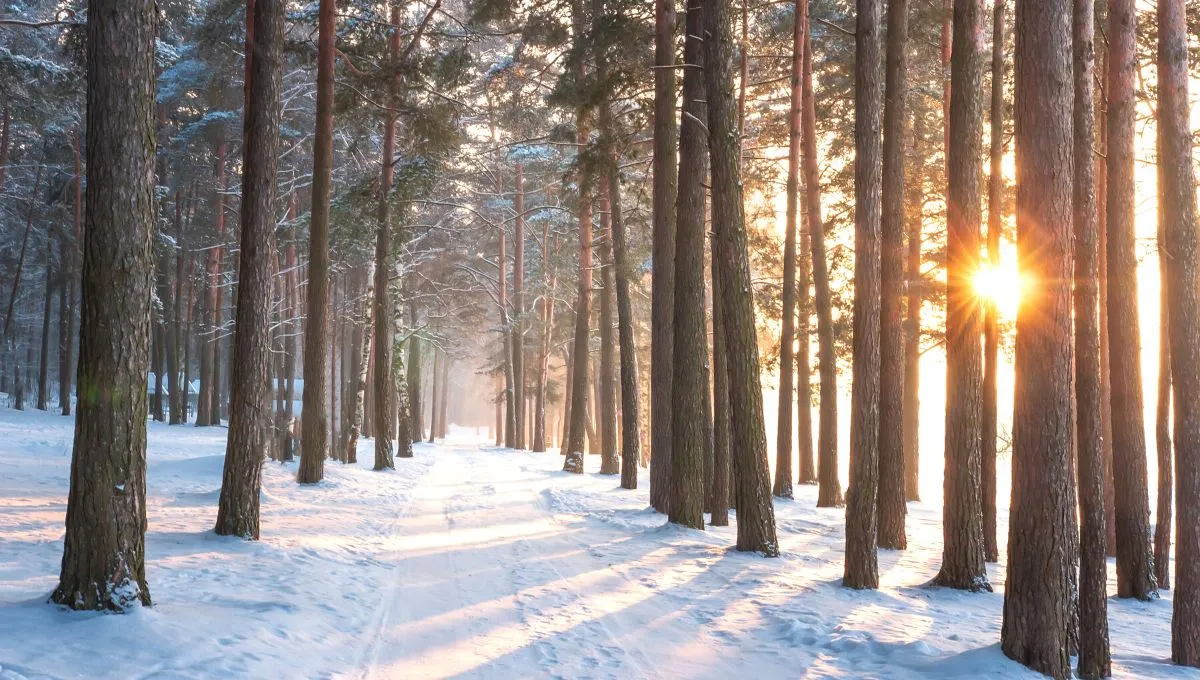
[[471, 561]]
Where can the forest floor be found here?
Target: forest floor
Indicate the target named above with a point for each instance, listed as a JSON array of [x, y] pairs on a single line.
[[470, 561]]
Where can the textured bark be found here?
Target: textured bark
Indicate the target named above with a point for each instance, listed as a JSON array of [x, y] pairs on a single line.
[[962, 519], [250, 428], [1110, 508], [662, 287], [434, 392], [103, 564], [748, 439], [912, 323], [215, 293], [546, 317], [610, 458], [862, 565], [1135, 568], [510, 423], [177, 407], [690, 380], [1036, 594], [72, 251], [314, 435], [829, 492], [720, 499], [1093, 567], [991, 323], [403, 418], [787, 337], [1178, 190], [890, 503]]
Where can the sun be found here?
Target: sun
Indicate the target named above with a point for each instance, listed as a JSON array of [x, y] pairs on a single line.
[[1001, 284]]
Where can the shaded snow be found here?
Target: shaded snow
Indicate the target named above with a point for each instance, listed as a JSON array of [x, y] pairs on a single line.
[[470, 561]]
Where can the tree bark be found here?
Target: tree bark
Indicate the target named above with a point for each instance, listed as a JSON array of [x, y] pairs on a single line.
[[518, 320], [756, 513], [414, 379], [103, 564], [891, 505], [912, 325], [1162, 412], [434, 393], [1110, 508], [73, 252], [720, 499], [1135, 568], [579, 388], [314, 434], [991, 323], [43, 393], [360, 362], [662, 287], [829, 492], [962, 517], [1179, 213], [862, 566], [1093, 567], [250, 428], [1036, 597], [631, 407], [690, 379]]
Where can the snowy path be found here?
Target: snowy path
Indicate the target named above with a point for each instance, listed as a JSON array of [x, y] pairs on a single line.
[[474, 562]]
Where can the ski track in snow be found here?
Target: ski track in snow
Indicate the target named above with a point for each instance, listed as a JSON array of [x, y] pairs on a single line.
[[475, 562]]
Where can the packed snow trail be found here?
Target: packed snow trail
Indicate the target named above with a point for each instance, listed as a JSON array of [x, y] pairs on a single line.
[[474, 562]]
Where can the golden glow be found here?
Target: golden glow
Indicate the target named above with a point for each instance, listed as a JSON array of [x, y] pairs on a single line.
[[1002, 285]]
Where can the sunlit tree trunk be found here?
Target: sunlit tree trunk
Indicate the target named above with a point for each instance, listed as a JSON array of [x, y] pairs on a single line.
[[1179, 213], [1135, 568]]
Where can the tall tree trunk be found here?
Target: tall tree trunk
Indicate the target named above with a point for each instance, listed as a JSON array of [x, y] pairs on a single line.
[[314, 435], [43, 392], [1036, 597], [1093, 567], [360, 362], [576, 430], [443, 405], [991, 323], [1135, 563], [176, 409], [720, 499], [216, 294], [73, 252], [748, 439], [662, 287], [690, 380], [891, 323], [518, 328], [437, 382], [912, 324], [1162, 412], [414, 379], [546, 319], [829, 492], [403, 419], [103, 564], [962, 517], [783, 433], [862, 567], [631, 407], [1110, 507], [250, 429], [610, 458], [1179, 213]]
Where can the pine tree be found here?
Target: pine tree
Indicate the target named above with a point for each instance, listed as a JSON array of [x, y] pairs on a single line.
[[314, 436], [1093, 567], [756, 513], [962, 519], [690, 380], [1135, 569], [1036, 597], [891, 505], [249, 428], [103, 564], [1179, 213]]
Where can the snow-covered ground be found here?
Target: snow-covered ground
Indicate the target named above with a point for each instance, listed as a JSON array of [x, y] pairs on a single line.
[[470, 561]]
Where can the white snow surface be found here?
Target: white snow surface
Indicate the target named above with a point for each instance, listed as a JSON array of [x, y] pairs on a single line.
[[475, 562]]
